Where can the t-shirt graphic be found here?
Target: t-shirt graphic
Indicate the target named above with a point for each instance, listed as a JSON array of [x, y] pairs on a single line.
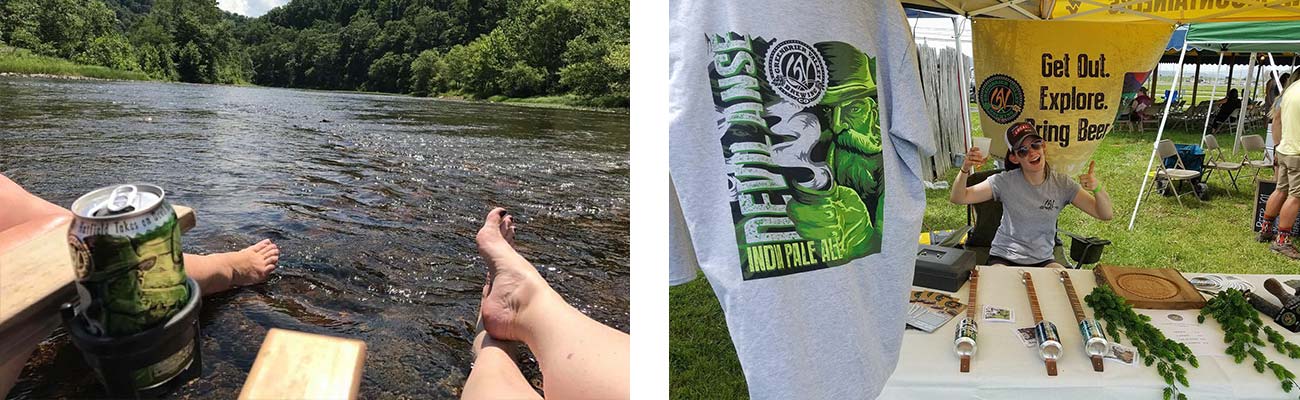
[[800, 133]]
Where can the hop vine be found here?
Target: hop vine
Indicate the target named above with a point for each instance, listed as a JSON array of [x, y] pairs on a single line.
[[1241, 328], [1167, 355]]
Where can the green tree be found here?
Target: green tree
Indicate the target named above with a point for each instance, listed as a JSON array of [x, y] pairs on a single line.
[[112, 51], [427, 72], [390, 73]]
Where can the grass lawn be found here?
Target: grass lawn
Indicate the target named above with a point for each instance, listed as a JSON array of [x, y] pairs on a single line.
[[23, 61], [1214, 236]]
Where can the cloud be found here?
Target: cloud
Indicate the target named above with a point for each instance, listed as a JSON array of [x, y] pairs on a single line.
[[251, 8]]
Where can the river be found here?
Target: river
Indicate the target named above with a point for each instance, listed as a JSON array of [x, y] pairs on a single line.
[[373, 199]]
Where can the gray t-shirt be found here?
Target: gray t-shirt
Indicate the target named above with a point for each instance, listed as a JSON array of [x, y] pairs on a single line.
[[1028, 231], [795, 140]]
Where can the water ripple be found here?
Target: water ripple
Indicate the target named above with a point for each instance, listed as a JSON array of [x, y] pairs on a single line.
[[374, 201]]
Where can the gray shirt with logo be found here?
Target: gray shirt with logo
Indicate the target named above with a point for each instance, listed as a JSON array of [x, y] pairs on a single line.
[[1028, 231]]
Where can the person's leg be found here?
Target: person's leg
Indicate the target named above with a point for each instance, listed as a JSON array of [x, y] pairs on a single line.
[[1274, 204], [579, 357], [213, 272], [1271, 210], [1054, 264], [219, 272], [21, 206], [495, 374], [1290, 207]]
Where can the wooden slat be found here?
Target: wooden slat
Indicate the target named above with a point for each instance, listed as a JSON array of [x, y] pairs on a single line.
[[297, 365], [36, 276]]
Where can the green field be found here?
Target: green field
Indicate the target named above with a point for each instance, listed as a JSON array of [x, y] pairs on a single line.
[[1214, 236], [22, 61]]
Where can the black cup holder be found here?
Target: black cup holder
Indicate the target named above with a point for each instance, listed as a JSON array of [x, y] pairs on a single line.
[[1086, 250], [116, 360]]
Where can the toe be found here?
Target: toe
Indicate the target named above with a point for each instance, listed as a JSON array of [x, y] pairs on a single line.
[[490, 234], [493, 219], [261, 245], [269, 248], [508, 229], [272, 259]]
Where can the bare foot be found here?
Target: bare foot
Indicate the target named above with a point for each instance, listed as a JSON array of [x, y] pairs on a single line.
[[512, 282], [255, 263], [219, 272]]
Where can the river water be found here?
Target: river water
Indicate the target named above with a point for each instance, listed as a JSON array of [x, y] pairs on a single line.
[[373, 199]]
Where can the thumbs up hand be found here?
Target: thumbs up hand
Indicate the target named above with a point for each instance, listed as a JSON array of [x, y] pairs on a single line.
[[1089, 181]]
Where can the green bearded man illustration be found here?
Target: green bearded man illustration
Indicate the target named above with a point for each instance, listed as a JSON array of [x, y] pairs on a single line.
[[837, 162]]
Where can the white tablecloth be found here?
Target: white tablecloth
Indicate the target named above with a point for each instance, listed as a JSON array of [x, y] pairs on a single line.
[[1003, 368]]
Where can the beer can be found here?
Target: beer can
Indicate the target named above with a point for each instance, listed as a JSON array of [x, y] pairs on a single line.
[[134, 275]]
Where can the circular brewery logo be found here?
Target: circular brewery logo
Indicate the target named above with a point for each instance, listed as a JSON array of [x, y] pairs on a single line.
[[797, 72], [80, 256], [1001, 98], [1287, 319]]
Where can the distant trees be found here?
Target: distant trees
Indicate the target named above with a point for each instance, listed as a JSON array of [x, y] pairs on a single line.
[[186, 40], [476, 48], [542, 47]]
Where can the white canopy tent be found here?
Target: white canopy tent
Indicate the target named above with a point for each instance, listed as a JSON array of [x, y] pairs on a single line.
[[1225, 37]]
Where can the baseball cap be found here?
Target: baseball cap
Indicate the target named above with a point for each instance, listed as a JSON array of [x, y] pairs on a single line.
[[1018, 132]]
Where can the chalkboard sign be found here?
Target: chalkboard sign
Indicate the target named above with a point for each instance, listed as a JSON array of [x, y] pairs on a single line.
[[1263, 189]]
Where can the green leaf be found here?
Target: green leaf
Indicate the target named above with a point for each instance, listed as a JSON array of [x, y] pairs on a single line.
[[1200, 318], [1168, 392]]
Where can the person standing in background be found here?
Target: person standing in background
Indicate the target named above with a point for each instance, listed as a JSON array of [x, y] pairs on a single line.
[[1284, 203]]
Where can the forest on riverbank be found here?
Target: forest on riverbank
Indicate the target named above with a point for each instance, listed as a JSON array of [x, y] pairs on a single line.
[[574, 49]]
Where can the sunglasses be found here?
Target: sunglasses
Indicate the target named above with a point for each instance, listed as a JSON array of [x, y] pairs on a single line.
[[1024, 150]]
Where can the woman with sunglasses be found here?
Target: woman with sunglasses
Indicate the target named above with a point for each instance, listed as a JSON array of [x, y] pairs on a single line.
[[1032, 197]]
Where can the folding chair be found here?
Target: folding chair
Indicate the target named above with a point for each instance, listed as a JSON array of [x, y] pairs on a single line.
[[1253, 143], [1216, 162], [1165, 148], [1230, 124]]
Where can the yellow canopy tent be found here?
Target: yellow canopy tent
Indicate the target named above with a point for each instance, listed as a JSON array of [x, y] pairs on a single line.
[[1181, 12], [1167, 11]]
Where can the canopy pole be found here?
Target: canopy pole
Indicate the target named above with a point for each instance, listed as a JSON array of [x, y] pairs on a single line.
[[1159, 134], [1155, 79], [1245, 102], [1232, 63], [1254, 87], [1196, 78], [1277, 79], [1209, 107], [957, 24]]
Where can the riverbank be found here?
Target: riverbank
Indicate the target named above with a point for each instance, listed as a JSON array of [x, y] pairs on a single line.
[[22, 62], [17, 62]]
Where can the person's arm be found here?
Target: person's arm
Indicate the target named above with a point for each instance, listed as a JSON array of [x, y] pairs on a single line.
[[1277, 129], [979, 193], [1097, 206]]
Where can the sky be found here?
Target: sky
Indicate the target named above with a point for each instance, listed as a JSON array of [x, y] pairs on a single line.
[[251, 8]]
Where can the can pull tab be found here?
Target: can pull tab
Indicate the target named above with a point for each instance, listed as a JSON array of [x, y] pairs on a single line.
[[123, 199]]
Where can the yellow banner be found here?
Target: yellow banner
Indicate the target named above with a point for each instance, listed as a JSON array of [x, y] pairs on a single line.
[[1066, 78], [1182, 11]]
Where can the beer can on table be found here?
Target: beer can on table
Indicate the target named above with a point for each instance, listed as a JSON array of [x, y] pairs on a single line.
[[131, 268]]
